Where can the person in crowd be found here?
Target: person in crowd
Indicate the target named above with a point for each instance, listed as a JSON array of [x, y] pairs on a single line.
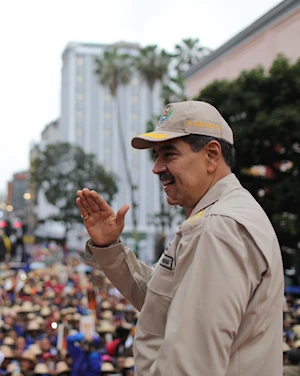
[[293, 366], [86, 359], [212, 304]]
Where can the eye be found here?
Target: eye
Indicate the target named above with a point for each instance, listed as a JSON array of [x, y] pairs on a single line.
[[169, 154]]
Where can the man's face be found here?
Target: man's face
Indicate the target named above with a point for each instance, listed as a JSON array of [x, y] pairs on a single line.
[[183, 173]]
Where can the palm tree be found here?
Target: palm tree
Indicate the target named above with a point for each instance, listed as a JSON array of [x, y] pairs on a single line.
[[114, 70], [173, 90], [188, 53], [153, 66]]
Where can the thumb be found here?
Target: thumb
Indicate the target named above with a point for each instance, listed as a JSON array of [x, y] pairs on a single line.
[[120, 217]]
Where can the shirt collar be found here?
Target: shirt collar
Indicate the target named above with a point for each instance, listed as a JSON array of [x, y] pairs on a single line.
[[223, 186]]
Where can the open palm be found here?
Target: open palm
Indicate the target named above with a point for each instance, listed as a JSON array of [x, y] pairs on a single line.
[[102, 224]]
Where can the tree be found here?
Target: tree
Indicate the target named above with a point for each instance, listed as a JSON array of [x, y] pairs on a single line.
[[61, 169], [263, 109], [114, 70], [153, 65], [188, 53]]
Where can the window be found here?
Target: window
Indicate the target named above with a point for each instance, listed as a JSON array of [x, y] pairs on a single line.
[[80, 61]]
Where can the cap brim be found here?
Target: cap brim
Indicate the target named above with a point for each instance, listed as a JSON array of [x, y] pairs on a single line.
[[148, 140]]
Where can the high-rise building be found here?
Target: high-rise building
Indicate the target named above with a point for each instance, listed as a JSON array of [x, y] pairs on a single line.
[[88, 119]]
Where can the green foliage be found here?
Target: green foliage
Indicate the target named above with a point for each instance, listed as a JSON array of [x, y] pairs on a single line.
[[188, 53], [61, 169], [263, 109], [113, 69], [152, 63]]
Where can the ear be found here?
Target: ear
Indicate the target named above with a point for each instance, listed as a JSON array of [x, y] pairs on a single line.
[[213, 154]]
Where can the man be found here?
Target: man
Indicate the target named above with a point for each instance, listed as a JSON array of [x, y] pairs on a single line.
[[212, 305]]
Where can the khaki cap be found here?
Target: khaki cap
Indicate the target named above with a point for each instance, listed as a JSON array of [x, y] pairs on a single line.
[[185, 118], [7, 352], [107, 367], [28, 355], [128, 362], [285, 347], [41, 368], [61, 367]]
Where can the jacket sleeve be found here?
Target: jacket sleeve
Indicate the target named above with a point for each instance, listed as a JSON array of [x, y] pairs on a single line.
[[129, 275], [210, 301]]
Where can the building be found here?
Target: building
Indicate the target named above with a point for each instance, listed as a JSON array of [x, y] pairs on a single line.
[[88, 119], [18, 188], [277, 31]]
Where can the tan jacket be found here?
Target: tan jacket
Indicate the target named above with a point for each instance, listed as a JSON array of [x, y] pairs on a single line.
[[212, 305]]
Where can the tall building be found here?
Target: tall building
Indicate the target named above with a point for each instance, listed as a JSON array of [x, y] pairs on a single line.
[[88, 119]]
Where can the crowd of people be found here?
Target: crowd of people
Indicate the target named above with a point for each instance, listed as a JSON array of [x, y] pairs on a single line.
[[55, 321], [291, 335], [58, 290]]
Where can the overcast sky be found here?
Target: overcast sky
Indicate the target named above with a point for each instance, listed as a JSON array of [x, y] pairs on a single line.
[[34, 33]]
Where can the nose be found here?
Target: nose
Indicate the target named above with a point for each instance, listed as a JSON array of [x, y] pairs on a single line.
[[159, 167]]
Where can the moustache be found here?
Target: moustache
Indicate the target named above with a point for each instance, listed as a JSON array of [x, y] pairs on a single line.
[[165, 176]]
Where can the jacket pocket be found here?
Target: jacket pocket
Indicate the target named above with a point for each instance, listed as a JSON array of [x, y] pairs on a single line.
[[154, 313]]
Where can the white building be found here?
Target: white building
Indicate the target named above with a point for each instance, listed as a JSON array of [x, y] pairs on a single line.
[[88, 120]]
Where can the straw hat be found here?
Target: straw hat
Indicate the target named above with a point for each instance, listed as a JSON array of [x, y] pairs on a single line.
[[35, 349], [106, 327], [41, 368], [105, 305], [61, 367], [7, 352], [28, 355], [296, 329], [33, 325], [107, 315], [107, 367], [8, 341], [45, 311], [26, 307], [119, 307], [128, 362]]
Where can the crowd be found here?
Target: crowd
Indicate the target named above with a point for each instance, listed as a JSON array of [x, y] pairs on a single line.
[[61, 316], [55, 321]]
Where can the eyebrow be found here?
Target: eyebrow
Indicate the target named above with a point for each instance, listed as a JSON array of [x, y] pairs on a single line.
[[164, 148]]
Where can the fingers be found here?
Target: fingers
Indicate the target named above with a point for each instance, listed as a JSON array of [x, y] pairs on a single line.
[[90, 201], [120, 217], [84, 202], [98, 201], [81, 208]]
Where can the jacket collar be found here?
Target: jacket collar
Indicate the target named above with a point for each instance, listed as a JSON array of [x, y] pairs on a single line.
[[223, 186]]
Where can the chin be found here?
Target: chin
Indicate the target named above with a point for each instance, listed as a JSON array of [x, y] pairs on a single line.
[[172, 201]]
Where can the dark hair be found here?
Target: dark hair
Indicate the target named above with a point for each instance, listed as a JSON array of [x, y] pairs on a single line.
[[197, 142], [294, 356]]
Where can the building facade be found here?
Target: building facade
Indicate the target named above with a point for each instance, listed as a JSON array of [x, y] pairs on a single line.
[[276, 32], [89, 119]]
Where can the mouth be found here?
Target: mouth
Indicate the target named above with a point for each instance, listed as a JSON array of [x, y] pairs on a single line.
[[167, 183]]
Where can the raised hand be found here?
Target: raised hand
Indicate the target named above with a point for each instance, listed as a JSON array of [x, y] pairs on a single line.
[[101, 222]]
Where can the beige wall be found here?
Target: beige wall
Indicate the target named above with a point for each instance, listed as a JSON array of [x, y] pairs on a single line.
[[282, 37]]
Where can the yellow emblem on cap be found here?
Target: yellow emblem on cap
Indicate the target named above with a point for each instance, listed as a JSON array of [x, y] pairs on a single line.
[[155, 135]]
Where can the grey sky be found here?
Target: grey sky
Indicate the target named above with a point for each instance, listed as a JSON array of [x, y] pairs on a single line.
[[33, 34]]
